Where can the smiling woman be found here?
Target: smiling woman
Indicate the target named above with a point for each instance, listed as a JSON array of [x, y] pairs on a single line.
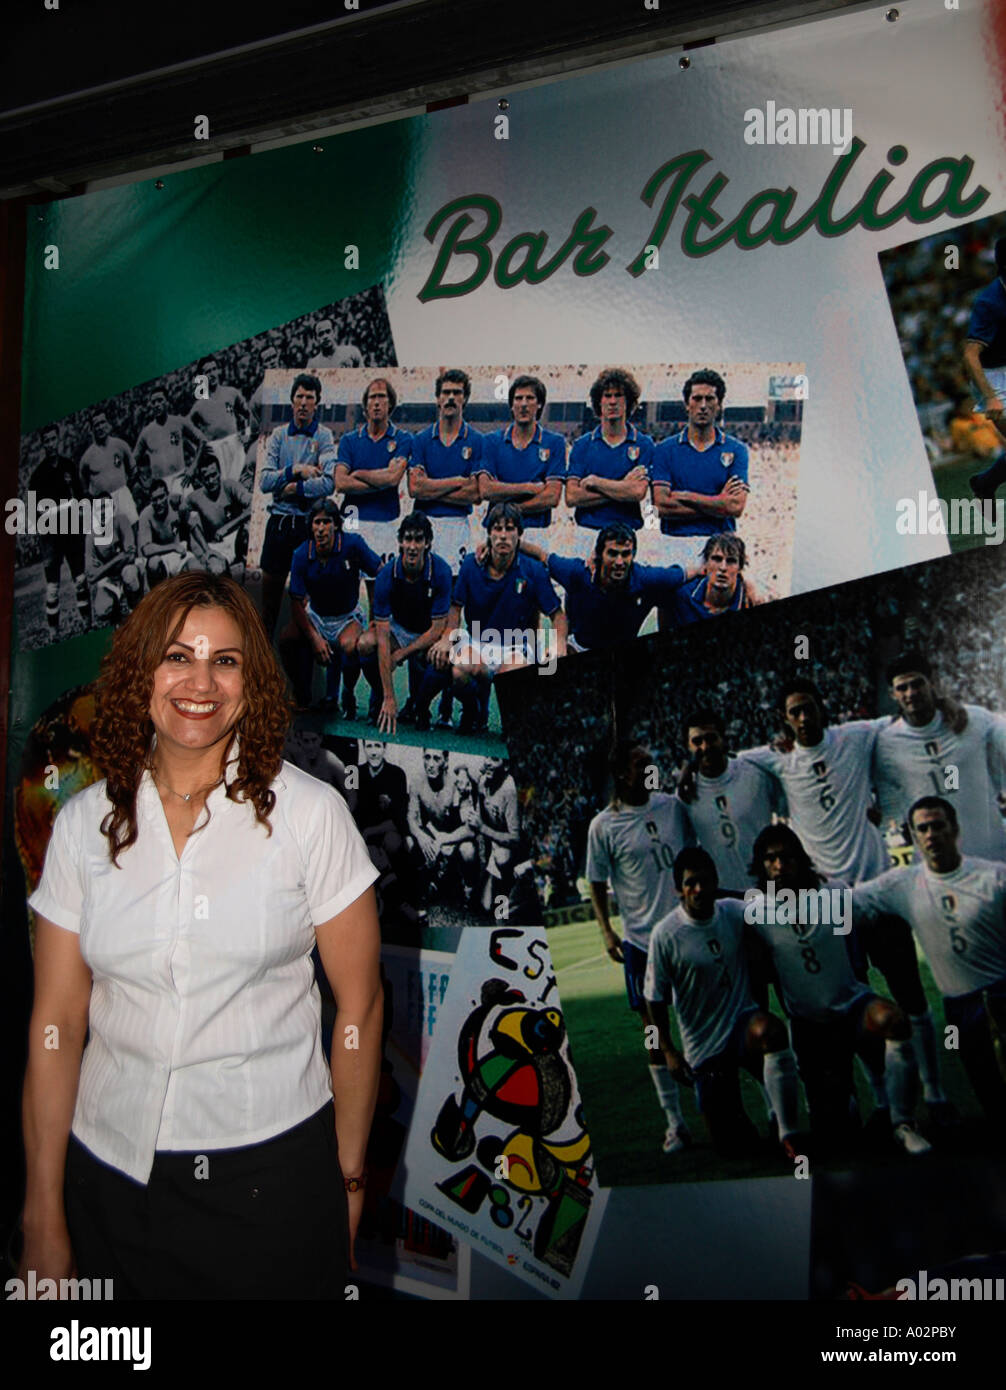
[[188, 676], [190, 1151]]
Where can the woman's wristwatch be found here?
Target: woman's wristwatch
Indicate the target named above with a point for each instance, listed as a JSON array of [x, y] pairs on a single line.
[[354, 1184]]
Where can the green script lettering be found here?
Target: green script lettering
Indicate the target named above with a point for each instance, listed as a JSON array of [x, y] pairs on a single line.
[[456, 243], [763, 218]]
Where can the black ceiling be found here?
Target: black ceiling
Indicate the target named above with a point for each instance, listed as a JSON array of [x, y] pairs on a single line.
[[96, 89], [89, 42]]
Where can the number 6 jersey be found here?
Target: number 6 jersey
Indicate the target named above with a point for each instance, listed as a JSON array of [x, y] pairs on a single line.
[[829, 790]]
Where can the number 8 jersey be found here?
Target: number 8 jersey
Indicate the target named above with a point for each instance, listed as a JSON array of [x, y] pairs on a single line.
[[634, 848], [815, 975], [959, 919]]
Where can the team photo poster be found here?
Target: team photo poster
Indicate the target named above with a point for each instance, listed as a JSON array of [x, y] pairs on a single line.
[[597, 485], [831, 974]]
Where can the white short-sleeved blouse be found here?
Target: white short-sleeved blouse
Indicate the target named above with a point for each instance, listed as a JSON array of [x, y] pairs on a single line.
[[205, 1019]]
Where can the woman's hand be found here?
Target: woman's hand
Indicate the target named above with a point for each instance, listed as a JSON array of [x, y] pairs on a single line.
[[49, 1253]]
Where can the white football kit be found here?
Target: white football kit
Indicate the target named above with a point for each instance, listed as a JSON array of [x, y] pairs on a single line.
[[967, 769], [726, 815], [634, 848], [828, 789], [701, 968], [959, 919], [815, 974]]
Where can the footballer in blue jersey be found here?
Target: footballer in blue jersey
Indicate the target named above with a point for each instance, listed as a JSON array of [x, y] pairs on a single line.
[[298, 472], [443, 480], [525, 464], [700, 474], [609, 599], [609, 468], [985, 361], [720, 588], [370, 466], [443, 469], [502, 596], [412, 597], [325, 601]]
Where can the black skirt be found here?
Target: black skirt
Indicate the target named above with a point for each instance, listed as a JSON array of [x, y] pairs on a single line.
[[265, 1221]]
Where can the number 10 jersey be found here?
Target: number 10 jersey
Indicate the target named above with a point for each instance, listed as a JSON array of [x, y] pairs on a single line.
[[634, 848]]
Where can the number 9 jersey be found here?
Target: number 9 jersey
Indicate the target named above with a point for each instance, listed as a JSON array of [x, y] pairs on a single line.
[[726, 815]]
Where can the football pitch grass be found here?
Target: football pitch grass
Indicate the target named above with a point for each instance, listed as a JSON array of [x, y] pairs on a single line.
[[621, 1113], [951, 479]]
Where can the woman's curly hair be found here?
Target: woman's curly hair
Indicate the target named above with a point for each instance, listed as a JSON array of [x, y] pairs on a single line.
[[122, 732]]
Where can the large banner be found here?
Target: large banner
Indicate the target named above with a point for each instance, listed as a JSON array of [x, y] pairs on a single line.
[[707, 337]]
